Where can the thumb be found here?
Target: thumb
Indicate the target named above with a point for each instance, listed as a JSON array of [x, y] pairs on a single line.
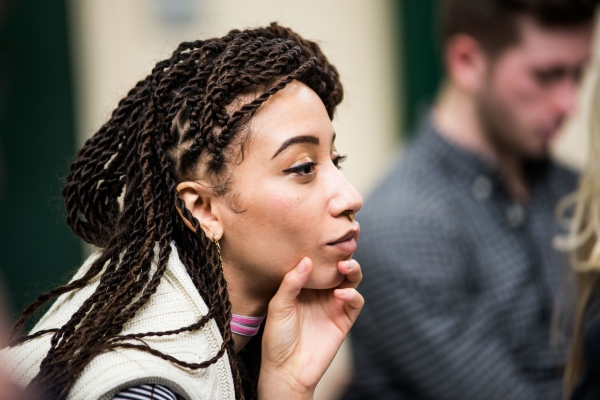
[[293, 282]]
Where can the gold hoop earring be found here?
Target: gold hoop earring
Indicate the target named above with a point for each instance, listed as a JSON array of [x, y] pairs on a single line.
[[351, 216], [218, 248]]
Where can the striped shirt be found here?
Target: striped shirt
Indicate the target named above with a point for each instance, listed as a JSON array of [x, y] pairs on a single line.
[[459, 280], [146, 392]]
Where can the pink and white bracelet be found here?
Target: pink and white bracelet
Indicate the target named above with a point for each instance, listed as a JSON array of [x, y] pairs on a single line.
[[246, 326]]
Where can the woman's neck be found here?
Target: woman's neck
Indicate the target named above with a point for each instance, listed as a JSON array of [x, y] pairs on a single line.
[[245, 299]]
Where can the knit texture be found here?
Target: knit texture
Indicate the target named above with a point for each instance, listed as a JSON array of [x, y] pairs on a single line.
[[175, 304]]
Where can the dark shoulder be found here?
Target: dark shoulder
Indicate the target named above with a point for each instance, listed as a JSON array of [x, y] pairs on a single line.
[[589, 386], [592, 311], [414, 189], [563, 178]]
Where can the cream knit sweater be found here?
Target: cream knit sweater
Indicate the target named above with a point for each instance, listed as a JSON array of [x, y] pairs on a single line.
[[175, 304]]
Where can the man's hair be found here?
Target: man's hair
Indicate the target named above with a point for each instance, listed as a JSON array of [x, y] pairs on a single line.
[[494, 23]]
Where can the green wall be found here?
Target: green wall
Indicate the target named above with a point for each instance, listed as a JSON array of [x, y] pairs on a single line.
[[37, 249], [417, 39]]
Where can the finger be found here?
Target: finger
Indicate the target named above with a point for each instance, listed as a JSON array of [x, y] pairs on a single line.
[[353, 301], [353, 272], [290, 287]]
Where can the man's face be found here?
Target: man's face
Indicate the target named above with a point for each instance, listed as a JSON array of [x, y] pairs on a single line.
[[531, 87]]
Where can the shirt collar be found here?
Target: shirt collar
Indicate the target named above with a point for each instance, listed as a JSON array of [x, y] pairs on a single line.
[[465, 165]]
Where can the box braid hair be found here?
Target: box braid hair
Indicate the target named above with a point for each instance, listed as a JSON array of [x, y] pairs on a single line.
[[177, 121]]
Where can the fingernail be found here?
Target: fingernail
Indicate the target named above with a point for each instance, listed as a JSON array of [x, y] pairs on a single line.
[[301, 267], [348, 265], [341, 292]]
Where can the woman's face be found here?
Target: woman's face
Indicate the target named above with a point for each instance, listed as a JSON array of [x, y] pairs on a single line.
[[294, 200]]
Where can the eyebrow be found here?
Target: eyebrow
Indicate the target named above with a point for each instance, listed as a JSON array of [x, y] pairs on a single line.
[[296, 140]]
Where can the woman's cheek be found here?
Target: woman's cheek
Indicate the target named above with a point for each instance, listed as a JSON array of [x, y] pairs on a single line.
[[280, 208], [290, 226]]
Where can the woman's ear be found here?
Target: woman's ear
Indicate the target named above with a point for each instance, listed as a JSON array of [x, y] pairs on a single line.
[[200, 200]]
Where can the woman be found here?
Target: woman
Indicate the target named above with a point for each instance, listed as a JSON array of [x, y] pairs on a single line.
[[213, 191], [582, 375]]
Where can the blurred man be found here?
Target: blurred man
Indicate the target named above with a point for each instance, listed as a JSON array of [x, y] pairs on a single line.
[[459, 270]]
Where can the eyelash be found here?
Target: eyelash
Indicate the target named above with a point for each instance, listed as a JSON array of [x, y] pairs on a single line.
[[300, 169], [338, 160]]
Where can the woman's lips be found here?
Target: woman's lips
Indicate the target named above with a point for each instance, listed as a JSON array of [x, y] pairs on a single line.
[[347, 243]]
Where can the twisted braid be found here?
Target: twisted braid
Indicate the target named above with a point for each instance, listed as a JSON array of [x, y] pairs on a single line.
[[182, 118]]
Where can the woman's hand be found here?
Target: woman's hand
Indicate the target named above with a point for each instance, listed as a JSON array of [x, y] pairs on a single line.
[[304, 330]]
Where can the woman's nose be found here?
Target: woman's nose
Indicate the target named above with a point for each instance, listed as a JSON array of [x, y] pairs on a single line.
[[345, 197]]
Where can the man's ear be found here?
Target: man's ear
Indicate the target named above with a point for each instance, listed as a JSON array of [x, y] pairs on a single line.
[[466, 63], [200, 200]]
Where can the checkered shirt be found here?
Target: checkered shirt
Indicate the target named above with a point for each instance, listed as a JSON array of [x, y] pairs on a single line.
[[459, 280]]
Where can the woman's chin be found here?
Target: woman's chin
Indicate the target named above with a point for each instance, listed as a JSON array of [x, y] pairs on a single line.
[[325, 279]]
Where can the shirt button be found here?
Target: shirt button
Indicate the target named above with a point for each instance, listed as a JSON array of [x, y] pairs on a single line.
[[515, 215], [482, 188]]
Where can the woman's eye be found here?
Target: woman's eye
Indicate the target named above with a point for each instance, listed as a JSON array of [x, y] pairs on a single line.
[[302, 169], [337, 160]]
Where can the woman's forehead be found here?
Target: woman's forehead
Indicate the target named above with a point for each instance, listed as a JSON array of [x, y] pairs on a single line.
[[294, 111]]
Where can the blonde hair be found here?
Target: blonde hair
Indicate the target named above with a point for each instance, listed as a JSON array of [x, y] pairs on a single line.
[[580, 211]]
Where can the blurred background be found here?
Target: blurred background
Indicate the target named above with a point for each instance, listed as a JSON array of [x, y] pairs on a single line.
[[64, 64]]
